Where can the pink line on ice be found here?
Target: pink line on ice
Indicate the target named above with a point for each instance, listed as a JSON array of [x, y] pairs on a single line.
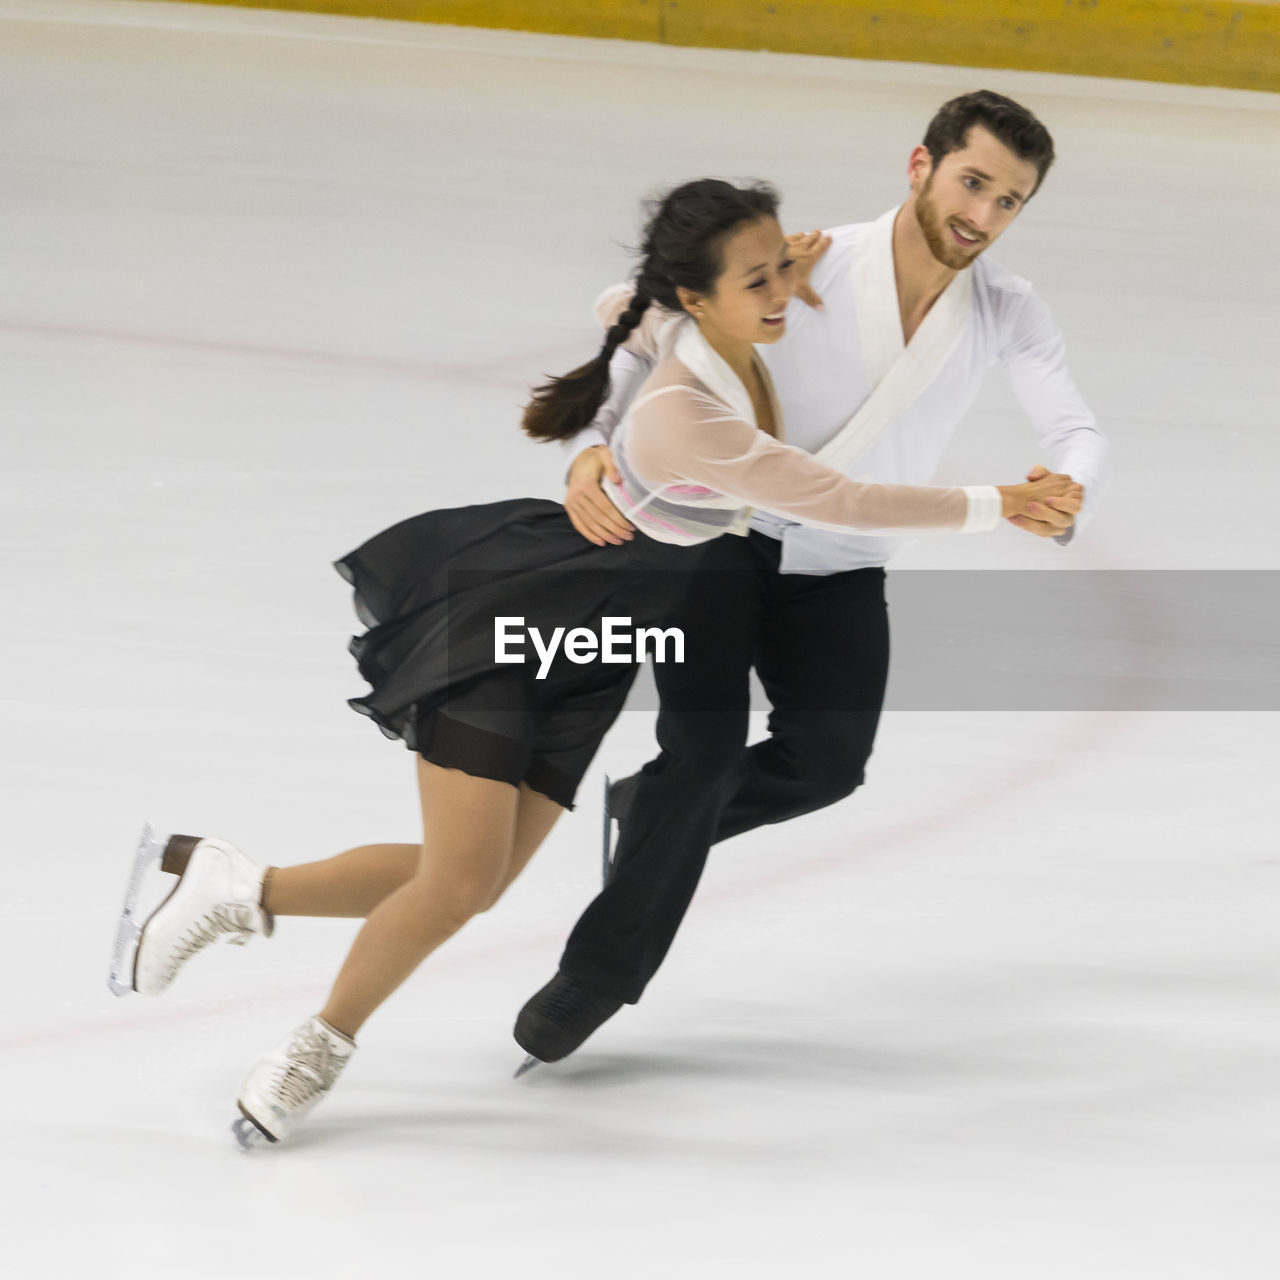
[[511, 370]]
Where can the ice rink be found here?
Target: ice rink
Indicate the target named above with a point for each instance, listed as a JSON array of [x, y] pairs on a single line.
[[270, 283]]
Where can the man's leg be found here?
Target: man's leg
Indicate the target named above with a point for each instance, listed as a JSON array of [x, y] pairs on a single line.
[[677, 798], [821, 649], [702, 727], [822, 655], [823, 659], [820, 644]]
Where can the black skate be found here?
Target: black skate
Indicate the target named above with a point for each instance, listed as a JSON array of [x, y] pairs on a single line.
[[559, 1018]]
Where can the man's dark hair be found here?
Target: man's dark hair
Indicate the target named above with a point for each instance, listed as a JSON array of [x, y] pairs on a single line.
[[1010, 122]]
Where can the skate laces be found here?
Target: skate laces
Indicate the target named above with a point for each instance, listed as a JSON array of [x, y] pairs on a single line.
[[231, 920], [309, 1069]]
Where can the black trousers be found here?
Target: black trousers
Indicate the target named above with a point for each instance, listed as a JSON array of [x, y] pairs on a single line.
[[820, 645]]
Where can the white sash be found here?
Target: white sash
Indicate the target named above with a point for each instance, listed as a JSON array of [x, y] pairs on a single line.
[[899, 373]]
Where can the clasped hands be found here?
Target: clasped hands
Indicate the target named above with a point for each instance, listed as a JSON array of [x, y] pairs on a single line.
[[1047, 505]]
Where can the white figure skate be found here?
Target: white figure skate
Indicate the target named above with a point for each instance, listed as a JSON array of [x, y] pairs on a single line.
[[217, 896], [281, 1091]]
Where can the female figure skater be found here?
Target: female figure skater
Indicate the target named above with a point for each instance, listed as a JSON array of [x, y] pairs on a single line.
[[500, 752]]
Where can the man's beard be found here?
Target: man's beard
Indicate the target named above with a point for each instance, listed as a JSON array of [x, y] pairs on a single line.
[[934, 228]]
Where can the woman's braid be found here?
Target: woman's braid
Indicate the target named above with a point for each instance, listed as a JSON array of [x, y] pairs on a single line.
[[623, 327]]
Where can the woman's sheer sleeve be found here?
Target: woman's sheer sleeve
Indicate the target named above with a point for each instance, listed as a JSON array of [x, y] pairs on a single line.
[[681, 435]]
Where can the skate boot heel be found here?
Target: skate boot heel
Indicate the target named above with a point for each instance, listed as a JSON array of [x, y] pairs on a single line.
[[177, 853]]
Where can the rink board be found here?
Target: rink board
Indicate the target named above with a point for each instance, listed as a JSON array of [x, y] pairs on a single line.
[[1232, 43]]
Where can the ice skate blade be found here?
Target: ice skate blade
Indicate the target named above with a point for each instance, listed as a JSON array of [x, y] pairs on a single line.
[[606, 860], [248, 1135], [120, 972], [527, 1065]]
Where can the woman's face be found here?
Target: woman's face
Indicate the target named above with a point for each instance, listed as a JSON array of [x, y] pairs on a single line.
[[749, 298]]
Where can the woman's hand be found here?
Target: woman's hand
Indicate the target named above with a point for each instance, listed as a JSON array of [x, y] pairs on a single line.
[[806, 248], [1031, 499], [1052, 518], [592, 514]]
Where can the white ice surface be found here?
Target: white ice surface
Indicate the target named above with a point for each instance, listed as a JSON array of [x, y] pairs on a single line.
[[268, 283]]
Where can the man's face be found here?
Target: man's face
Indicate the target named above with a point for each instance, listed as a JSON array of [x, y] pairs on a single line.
[[965, 201]]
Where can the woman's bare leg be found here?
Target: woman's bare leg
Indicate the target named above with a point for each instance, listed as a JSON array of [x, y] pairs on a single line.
[[468, 857], [349, 884], [535, 816]]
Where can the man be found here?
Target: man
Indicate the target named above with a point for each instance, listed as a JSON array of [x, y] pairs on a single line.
[[873, 378]]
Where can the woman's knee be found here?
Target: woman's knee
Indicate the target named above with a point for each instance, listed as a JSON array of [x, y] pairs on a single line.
[[456, 899]]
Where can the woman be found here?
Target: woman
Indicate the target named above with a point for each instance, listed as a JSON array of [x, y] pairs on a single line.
[[501, 751]]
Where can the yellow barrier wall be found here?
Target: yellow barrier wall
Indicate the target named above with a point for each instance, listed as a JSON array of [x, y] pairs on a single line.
[[1220, 42]]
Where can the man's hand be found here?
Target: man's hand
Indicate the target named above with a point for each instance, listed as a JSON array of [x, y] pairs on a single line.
[[1053, 516], [806, 248], [593, 515]]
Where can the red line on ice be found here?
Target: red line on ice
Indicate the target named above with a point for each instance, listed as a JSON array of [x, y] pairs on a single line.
[[510, 370]]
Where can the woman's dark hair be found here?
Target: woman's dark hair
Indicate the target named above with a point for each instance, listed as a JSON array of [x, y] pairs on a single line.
[[682, 246], [1010, 122]]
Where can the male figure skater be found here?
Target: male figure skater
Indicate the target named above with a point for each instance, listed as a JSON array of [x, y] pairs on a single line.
[[874, 382]]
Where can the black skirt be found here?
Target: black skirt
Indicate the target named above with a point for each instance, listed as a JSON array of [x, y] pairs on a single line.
[[431, 590]]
